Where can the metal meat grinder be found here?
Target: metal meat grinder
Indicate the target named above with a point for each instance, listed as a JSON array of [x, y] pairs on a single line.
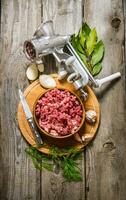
[[45, 42]]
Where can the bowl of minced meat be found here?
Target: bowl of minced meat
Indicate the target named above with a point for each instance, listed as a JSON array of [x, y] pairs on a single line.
[[59, 113]]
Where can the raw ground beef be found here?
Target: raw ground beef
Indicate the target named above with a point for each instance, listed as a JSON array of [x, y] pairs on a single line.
[[59, 112]]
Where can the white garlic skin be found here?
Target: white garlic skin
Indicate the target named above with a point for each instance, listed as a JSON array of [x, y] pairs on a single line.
[[47, 81], [32, 72], [41, 67], [91, 116]]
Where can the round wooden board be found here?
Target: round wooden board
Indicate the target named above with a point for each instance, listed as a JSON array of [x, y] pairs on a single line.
[[33, 91]]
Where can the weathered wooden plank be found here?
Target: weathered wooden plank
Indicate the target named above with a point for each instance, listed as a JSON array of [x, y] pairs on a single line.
[[124, 8], [18, 178], [105, 157], [66, 15], [67, 18]]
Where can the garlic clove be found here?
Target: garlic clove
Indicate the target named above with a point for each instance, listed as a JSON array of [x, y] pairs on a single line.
[[47, 81], [41, 67], [91, 116], [86, 137], [32, 72], [78, 138]]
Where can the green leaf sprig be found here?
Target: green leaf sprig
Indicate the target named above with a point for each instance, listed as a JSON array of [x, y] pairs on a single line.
[[89, 48], [40, 160], [66, 158]]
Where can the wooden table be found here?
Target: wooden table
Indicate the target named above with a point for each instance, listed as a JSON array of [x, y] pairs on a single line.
[[103, 162]]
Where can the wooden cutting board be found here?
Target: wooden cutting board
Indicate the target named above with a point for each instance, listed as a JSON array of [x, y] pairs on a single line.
[[87, 131]]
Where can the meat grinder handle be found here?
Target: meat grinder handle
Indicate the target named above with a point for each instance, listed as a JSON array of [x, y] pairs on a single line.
[[108, 78]]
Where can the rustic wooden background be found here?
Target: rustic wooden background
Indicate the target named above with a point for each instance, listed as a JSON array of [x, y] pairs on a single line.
[[104, 160]]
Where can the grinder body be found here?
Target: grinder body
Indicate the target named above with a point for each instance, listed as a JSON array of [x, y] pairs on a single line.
[[45, 42]]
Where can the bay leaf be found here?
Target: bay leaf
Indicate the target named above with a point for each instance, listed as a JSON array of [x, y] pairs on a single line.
[[91, 41], [73, 41], [84, 33], [79, 46], [96, 69], [86, 30], [83, 58], [98, 53], [76, 43], [82, 38]]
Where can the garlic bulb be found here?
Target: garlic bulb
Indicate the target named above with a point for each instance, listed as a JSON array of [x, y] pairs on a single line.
[[91, 116]]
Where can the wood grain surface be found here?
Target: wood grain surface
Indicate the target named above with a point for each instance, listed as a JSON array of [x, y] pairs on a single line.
[[105, 157], [103, 163]]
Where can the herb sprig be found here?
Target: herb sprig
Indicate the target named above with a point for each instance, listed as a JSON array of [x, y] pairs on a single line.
[[65, 158], [89, 48], [40, 160]]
